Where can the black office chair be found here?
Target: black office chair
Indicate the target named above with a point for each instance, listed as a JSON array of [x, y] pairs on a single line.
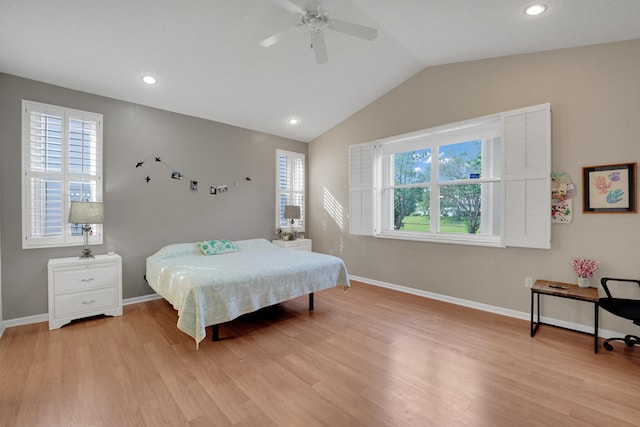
[[627, 308]]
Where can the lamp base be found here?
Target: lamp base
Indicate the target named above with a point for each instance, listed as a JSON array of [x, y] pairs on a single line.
[[86, 253]]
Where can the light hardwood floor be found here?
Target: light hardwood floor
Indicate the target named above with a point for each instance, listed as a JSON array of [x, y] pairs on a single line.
[[369, 357]]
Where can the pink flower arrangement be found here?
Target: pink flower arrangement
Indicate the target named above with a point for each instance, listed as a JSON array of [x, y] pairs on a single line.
[[584, 267]]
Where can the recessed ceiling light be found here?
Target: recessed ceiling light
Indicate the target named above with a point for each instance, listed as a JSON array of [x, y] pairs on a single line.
[[293, 121], [535, 9], [150, 80]]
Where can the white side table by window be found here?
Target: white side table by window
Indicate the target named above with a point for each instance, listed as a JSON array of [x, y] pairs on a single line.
[[298, 244], [84, 287]]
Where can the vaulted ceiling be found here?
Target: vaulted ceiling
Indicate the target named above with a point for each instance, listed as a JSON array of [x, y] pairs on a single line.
[[208, 61]]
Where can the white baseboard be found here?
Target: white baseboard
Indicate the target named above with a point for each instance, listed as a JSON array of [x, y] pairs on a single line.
[[143, 298], [602, 333], [28, 320]]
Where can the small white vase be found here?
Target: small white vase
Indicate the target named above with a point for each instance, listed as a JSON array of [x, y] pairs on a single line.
[[583, 282]]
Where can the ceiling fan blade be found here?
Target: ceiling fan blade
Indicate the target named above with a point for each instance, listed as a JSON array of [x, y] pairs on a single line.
[[275, 38], [319, 47], [352, 29], [291, 7]]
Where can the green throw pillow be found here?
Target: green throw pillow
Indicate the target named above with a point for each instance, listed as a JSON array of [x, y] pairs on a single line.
[[215, 247]]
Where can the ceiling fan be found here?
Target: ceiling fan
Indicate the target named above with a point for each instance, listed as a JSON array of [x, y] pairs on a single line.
[[316, 20]]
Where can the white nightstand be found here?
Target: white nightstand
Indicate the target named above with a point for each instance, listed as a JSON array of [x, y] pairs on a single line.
[[298, 245], [84, 287]]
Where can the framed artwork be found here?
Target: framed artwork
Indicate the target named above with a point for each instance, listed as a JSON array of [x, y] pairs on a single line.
[[609, 188]]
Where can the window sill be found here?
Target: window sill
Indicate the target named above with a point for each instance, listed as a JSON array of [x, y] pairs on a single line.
[[458, 239]]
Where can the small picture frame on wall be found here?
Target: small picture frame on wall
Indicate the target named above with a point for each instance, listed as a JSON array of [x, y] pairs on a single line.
[[609, 188]]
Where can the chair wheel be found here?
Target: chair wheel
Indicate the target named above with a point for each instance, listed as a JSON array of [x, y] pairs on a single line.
[[631, 340], [608, 346]]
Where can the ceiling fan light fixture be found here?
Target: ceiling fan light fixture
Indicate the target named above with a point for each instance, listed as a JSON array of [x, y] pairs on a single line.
[[315, 20], [535, 9]]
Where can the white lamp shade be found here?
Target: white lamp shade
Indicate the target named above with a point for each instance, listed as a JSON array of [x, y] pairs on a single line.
[[292, 212], [86, 213]]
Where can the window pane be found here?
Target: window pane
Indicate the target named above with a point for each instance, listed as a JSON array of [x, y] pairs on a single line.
[[411, 209], [81, 191], [462, 160], [45, 142], [470, 209], [291, 172], [291, 199], [82, 147], [297, 174], [46, 207], [412, 167], [282, 173]]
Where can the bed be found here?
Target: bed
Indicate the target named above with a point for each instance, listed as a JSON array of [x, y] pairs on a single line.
[[213, 289]]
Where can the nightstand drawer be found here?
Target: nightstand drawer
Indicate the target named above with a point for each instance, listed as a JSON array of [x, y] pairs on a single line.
[[88, 301], [298, 245], [73, 279]]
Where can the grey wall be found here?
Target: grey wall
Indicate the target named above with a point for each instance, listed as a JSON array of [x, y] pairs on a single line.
[[595, 101], [140, 217]]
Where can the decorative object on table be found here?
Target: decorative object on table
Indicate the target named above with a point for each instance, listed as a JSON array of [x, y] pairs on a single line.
[[584, 268], [609, 188], [562, 193], [86, 213], [291, 213]]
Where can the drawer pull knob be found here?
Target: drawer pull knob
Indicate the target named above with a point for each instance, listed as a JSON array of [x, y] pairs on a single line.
[[87, 280], [89, 302]]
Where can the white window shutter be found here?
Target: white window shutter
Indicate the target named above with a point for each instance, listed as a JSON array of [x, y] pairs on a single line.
[[61, 163], [361, 207], [290, 187], [527, 145]]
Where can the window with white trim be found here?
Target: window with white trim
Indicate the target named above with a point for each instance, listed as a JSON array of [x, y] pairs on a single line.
[[61, 163], [290, 188], [484, 181]]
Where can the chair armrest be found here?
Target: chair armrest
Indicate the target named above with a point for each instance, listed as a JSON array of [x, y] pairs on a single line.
[[604, 281]]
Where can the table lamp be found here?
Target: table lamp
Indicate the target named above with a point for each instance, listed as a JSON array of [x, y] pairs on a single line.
[[292, 213], [86, 213]]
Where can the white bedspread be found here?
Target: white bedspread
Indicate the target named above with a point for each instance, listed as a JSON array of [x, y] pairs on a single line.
[[212, 289]]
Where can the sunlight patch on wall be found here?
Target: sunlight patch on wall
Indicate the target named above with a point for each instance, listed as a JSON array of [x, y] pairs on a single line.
[[333, 208]]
